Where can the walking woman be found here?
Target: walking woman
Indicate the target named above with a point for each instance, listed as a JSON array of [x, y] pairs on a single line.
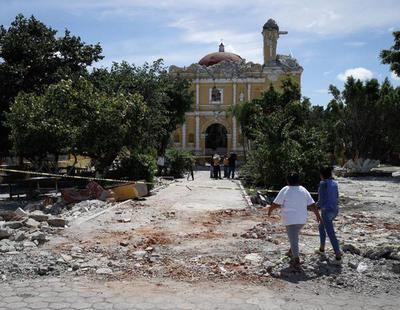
[[294, 201], [328, 197]]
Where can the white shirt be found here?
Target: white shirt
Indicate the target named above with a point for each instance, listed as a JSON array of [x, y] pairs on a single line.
[[294, 201]]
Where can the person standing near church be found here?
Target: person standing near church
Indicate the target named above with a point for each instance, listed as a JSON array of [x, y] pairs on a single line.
[[226, 166], [232, 165]]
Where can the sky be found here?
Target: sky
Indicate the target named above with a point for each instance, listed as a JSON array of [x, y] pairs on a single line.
[[330, 39]]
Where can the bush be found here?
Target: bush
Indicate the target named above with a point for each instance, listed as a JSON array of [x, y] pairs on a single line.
[[179, 162], [135, 167]]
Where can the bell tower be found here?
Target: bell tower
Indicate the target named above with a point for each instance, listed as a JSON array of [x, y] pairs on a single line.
[[270, 34]]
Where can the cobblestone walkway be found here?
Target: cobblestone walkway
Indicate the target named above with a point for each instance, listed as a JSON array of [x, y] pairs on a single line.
[[55, 293]]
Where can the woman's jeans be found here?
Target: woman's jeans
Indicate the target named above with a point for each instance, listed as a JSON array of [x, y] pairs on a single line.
[[326, 228], [293, 232]]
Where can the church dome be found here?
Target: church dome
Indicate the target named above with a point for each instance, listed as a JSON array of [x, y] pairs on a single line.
[[214, 58]]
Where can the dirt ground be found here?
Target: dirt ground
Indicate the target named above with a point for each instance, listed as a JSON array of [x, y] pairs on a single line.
[[203, 231]]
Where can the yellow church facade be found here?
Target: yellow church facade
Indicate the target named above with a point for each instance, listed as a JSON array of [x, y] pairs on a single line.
[[221, 80]]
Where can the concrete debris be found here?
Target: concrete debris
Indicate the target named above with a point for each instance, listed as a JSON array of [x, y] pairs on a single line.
[[31, 223], [361, 165], [254, 258], [104, 271], [39, 216], [57, 222], [13, 224], [362, 267], [5, 233]]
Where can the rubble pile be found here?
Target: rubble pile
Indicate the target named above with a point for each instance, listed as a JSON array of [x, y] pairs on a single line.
[[26, 227]]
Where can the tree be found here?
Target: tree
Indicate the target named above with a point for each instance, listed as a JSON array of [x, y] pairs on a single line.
[[282, 138], [167, 98], [392, 56], [73, 117], [32, 58], [364, 114]]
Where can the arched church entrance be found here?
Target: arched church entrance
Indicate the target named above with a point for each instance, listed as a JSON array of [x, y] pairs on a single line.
[[216, 139]]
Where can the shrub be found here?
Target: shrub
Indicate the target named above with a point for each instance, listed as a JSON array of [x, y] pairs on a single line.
[[179, 162], [135, 167]]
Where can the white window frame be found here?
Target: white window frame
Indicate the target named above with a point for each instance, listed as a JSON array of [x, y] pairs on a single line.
[[210, 97]]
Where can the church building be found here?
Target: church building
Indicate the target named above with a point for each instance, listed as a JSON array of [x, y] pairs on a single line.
[[222, 79]]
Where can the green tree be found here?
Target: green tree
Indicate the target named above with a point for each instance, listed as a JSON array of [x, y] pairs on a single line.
[[74, 117], [364, 115], [32, 58], [392, 56], [167, 99], [282, 138]]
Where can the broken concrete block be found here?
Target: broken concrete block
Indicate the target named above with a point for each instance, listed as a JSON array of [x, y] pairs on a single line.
[[31, 223], [254, 258], [19, 236], [13, 224], [5, 233], [21, 213], [57, 222], [29, 244], [39, 216], [140, 254], [102, 271], [39, 236]]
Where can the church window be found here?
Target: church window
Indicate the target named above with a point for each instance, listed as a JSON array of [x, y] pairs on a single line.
[[241, 97], [216, 95]]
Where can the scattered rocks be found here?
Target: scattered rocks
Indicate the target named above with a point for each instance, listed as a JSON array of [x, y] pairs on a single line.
[[31, 223], [104, 271], [20, 213], [140, 254], [57, 222], [39, 216], [349, 248], [13, 224], [254, 258], [5, 233], [39, 236], [362, 267], [396, 268]]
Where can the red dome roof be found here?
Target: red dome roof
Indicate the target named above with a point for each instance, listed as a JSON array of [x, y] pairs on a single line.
[[214, 58]]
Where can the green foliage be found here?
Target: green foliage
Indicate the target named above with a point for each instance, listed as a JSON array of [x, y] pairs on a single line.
[[134, 166], [32, 58], [392, 56], [362, 119], [282, 139], [73, 117], [179, 162], [167, 98]]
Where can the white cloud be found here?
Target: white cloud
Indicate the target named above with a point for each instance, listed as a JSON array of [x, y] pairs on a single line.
[[355, 43], [336, 17], [395, 77], [357, 73]]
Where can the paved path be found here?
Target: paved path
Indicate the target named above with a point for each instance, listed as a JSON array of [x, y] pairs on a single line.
[[202, 194], [54, 293]]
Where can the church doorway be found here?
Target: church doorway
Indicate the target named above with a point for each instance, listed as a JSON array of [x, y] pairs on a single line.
[[216, 139]]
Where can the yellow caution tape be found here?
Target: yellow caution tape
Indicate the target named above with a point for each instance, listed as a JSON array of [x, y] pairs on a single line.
[[72, 176]]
